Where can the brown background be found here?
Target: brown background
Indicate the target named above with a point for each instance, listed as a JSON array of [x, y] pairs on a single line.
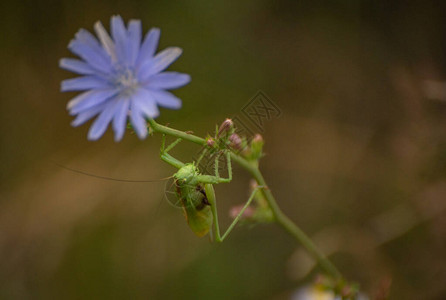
[[357, 158]]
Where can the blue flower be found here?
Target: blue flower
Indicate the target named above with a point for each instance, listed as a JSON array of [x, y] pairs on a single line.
[[121, 77]]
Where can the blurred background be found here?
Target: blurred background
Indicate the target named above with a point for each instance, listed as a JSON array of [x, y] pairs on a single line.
[[357, 157]]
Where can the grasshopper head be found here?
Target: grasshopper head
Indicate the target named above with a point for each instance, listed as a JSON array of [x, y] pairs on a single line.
[[186, 174]]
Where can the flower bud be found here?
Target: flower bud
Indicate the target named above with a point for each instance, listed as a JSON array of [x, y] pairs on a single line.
[[257, 146], [253, 184], [258, 139], [247, 214], [210, 142], [236, 141], [226, 126], [252, 214]]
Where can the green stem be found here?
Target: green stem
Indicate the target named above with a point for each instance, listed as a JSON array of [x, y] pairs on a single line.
[[279, 216]]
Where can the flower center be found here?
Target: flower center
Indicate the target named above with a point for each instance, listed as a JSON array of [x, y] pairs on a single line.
[[126, 81]]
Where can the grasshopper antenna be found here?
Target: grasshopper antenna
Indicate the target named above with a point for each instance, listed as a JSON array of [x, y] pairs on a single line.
[[107, 178]]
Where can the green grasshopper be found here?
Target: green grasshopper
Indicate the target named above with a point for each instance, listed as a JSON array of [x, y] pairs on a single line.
[[196, 193]]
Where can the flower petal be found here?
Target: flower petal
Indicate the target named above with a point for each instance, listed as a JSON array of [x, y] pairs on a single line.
[[84, 83], [167, 80], [138, 122], [76, 66], [120, 118], [166, 99], [160, 62], [134, 40], [149, 46], [145, 101], [88, 48], [87, 115], [119, 34], [89, 99], [100, 124], [106, 40]]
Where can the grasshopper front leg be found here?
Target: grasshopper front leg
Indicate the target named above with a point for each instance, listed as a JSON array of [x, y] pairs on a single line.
[[210, 179], [229, 166], [165, 156], [210, 194]]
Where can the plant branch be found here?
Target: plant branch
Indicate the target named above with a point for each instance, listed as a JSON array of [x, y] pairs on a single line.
[[279, 216]]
